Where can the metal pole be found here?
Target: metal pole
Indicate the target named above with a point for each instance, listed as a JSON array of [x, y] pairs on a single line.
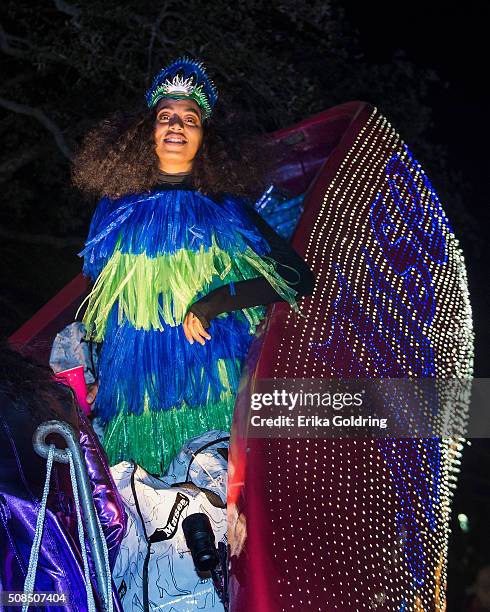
[[71, 438]]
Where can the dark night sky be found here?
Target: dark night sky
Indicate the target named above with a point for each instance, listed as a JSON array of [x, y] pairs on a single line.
[[452, 40]]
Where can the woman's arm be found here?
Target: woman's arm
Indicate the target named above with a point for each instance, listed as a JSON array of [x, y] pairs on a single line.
[[258, 291]]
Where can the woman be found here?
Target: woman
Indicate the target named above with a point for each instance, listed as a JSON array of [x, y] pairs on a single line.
[[182, 265]]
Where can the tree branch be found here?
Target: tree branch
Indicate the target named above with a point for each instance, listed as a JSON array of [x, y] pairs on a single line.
[[38, 114], [155, 27], [43, 239], [69, 9], [8, 167], [6, 47], [31, 53]]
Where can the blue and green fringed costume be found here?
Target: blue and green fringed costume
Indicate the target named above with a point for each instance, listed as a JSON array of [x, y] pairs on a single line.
[[151, 257]]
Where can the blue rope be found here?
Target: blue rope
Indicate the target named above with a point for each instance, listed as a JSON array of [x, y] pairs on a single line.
[[34, 556], [110, 603]]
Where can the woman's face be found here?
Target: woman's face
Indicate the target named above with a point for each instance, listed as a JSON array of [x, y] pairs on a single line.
[[178, 134]]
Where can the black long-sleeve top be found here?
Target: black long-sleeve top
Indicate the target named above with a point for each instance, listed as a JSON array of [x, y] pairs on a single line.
[[254, 291], [258, 291]]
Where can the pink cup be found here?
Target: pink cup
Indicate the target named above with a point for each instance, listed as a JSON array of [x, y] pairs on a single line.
[[75, 379]]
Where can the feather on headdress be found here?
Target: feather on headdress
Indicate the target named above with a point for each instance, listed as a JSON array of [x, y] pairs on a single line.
[[184, 78]]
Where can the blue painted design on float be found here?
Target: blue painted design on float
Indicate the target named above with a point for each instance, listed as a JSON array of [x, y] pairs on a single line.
[[409, 243]]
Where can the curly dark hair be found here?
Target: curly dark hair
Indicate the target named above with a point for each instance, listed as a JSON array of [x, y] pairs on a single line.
[[28, 389], [118, 156]]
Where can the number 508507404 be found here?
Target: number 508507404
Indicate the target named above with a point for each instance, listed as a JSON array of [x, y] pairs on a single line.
[[18, 598]]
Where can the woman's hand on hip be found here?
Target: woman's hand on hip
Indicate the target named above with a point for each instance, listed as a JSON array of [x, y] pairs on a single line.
[[92, 392], [194, 330]]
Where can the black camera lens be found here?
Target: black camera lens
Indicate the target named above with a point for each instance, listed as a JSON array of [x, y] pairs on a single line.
[[200, 539]]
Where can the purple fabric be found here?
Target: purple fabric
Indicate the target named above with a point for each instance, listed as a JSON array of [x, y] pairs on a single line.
[[108, 503], [22, 475]]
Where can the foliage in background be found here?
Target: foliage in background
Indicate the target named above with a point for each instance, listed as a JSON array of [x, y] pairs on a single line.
[[67, 65]]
